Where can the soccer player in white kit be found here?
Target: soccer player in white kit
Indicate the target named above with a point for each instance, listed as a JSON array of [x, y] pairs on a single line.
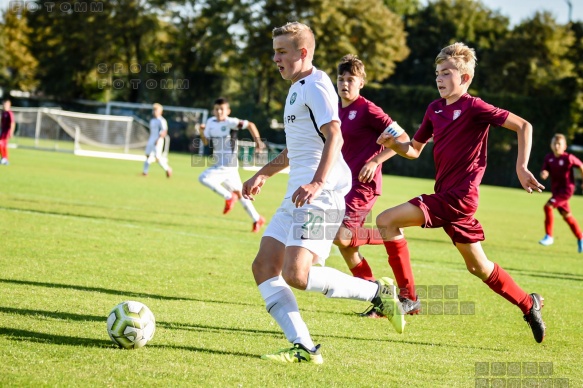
[[158, 131], [302, 230], [223, 177]]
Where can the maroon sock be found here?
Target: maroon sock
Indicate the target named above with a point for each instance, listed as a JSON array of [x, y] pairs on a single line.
[[401, 265], [572, 222], [363, 271], [549, 220], [503, 284], [365, 236]]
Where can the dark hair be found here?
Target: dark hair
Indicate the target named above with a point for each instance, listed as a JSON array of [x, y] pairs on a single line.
[[221, 101], [352, 64]]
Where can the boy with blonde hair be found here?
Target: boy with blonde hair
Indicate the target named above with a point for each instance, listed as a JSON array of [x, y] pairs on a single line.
[[558, 165], [158, 131], [459, 124], [301, 231]]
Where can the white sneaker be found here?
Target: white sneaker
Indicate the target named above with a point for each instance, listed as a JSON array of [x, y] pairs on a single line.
[[547, 240]]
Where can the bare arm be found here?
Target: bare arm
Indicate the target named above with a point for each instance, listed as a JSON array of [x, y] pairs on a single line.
[[253, 185], [12, 128], [332, 147], [544, 174], [367, 171], [523, 131], [256, 136], [409, 149]]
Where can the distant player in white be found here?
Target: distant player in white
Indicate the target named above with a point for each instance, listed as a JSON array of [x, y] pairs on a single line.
[[302, 230], [223, 177], [158, 131]]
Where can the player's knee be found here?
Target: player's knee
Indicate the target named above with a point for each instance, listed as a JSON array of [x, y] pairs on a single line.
[[294, 278]]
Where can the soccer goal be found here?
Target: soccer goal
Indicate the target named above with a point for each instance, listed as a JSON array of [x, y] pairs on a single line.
[[85, 134]]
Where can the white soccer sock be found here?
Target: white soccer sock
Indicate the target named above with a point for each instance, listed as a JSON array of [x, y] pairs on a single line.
[[336, 284], [164, 163], [216, 187], [281, 303], [250, 209]]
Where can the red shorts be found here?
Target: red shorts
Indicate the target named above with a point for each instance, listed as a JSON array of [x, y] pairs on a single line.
[[454, 213], [359, 202], [560, 201]]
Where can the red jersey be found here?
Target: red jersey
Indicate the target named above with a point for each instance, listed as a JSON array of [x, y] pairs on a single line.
[[560, 170], [5, 123], [362, 123], [460, 136]]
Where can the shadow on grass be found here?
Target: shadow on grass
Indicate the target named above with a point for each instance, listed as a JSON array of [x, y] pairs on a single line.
[[546, 274], [25, 335], [122, 294], [33, 336]]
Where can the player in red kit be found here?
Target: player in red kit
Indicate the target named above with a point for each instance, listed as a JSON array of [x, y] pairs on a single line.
[[7, 125], [459, 125], [362, 123], [558, 165]]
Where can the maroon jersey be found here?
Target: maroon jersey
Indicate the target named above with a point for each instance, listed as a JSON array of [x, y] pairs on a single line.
[[460, 136], [5, 123], [560, 170], [362, 123]]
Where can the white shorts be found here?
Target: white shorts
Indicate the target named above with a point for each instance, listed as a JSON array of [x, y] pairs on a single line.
[[155, 147], [312, 226], [227, 176]]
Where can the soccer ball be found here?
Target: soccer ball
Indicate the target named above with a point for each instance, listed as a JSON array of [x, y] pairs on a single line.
[[131, 325]]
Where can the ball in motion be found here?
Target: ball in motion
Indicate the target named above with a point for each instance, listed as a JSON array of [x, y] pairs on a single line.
[[131, 325]]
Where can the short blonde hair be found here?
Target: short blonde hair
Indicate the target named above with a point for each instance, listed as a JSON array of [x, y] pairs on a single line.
[[352, 64], [157, 106], [302, 36], [463, 57], [560, 136]]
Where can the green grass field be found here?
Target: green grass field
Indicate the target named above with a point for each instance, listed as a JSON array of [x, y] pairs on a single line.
[[80, 235]]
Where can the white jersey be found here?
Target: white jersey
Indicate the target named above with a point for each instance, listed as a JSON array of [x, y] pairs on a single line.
[[311, 103], [157, 125], [224, 145]]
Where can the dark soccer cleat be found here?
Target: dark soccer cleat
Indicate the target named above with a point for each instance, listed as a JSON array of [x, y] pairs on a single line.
[[534, 318], [371, 312], [297, 353], [411, 307]]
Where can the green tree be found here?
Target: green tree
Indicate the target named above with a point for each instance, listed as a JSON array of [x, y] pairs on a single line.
[[17, 65], [444, 22], [533, 59]]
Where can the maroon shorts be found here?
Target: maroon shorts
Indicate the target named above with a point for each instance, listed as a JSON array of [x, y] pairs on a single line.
[[452, 212], [359, 202], [560, 201]]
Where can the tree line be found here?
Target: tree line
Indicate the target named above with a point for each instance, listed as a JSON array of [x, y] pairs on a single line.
[[188, 52]]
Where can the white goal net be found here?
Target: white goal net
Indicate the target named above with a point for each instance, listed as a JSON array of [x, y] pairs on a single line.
[[84, 134]]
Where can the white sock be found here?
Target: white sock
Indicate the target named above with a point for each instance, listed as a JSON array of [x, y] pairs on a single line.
[[336, 284], [217, 188], [250, 209], [164, 164], [281, 303]]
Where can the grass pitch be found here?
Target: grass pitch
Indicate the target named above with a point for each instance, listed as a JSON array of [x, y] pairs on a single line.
[[80, 235]]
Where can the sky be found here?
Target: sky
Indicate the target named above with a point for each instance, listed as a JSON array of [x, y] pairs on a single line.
[[516, 10]]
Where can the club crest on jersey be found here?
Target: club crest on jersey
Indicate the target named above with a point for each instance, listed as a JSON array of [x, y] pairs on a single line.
[[456, 113], [561, 162], [293, 98], [352, 114]]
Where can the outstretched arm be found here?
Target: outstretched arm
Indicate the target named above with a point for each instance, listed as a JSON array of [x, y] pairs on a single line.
[[367, 171], [409, 149], [523, 131]]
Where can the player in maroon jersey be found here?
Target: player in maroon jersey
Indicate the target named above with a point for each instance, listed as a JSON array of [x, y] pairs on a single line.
[[558, 165], [362, 123], [459, 124], [7, 125]]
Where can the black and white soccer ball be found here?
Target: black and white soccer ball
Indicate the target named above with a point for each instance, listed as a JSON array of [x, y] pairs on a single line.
[[131, 325]]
